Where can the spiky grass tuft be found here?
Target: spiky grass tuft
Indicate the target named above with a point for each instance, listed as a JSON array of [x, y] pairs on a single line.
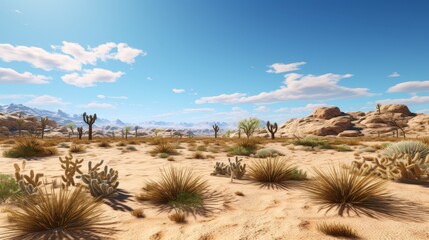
[[54, 215], [406, 147], [178, 217], [77, 148], [29, 147], [337, 188], [8, 188], [162, 146], [337, 230]]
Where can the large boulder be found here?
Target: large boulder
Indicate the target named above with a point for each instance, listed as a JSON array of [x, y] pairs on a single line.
[[396, 108], [326, 112], [350, 133]]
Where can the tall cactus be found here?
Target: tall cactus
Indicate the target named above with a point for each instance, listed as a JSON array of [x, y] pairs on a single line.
[[43, 122], [216, 129], [79, 132], [378, 107], [90, 120], [136, 128], [127, 130], [20, 121], [272, 128]]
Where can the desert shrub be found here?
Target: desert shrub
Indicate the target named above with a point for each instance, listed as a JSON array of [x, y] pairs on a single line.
[[104, 144], [198, 155], [406, 147], [8, 188], [77, 148], [176, 187], [245, 147], [138, 213], [133, 142], [267, 152], [337, 230], [53, 215], [63, 145], [202, 148], [131, 148], [273, 170], [312, 142], [249, 125], [165, 147], [345, 191], [163, 155], [121, 144], [178, 217], [170, 158], [343, 148], [8, 141], [29, 147]]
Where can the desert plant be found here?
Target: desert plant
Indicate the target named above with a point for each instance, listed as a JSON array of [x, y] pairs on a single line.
[[198, 155], [249, 125], [337, 230], [138, 213], [43, 123], [312, 142], [406, 147], [174, 185], [221, 168], [8, 187], [127, 131], [272, 171], [378, 107], [102, 184], [237, 170], [162, 146], [131, 148], [75, 148], [28, 184], [104, 144], [337, 188], [29, 147], [267, 152], [20, 122], [70, 169], [216, 129], [178, 217], [71, 127], [244, 147], [272, 128], [90, 120], [136, 130], [53, 215], [79, 132]]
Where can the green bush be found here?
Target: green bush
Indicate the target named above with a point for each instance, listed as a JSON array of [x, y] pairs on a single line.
[[8, 187], [407, 148], [312, 142], [29, 147]]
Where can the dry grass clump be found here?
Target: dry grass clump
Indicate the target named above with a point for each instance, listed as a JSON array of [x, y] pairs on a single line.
[[133, 142], [274, 171], [104, 144], [238, 193], [337, 230], [8, 141], [178, 188], [245, 147], [164, 147], [337, 188], [121, 144], [29, 147], [198, 155], [138, 213], [178, 217], [170, 159], [131, 148], [54, 216], [77, 149]]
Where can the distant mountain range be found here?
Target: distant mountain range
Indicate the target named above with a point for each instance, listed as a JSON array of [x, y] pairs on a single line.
[[62, 118]]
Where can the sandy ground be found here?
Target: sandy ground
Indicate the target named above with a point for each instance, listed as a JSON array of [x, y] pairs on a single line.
[[260, 214]]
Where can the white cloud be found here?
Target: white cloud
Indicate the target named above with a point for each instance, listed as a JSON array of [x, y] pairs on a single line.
[[101, 96], [17, 11], [412, 86], [414, 100], [79, 53], [99, 105], [127, 54], [191, 110], [282, 68], [38, 58], [45, 100], [394, 74], [149, 79], [307, 108], [8, 75], [15, 96], [262, 109], [90, 77], [175, 90], [297, 87]]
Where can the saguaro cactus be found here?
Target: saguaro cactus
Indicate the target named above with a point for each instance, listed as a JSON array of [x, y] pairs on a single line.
[[79, 132], [216, 129], [90, 120], [272, 128], [43, 122]]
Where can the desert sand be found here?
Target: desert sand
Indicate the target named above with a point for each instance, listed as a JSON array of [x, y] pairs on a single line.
[[260, 214]]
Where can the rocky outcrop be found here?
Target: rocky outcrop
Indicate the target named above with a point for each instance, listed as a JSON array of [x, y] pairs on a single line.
[[326, 112], [396, 108]]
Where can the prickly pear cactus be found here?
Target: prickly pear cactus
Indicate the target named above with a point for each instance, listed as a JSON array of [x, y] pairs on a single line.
[[102, 184], [237, 169], [28, 184], [221, 169], [70, 169]]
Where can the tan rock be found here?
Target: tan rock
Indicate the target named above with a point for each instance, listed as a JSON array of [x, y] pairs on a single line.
[[326, 112], [350, 133], [396, 108]]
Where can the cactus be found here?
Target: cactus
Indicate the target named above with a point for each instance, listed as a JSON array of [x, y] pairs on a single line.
[[237, 169], [398, 167], [27, 183], [378, 107], [272, 128], [221, 169], [43, 122], [216, 129], [127, 130], [102, 184], [70, 168], [20, 121], [90, 120], [136, 130], [79, 132]]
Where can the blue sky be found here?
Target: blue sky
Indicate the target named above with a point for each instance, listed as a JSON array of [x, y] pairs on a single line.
[[213, 60]]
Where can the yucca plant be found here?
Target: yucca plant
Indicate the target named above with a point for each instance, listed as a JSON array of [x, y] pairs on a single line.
[[407, 148], [162, 146], [273, 172], [29, 147], [54, 215], [337, 188], [177, 188], [337, 230]]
